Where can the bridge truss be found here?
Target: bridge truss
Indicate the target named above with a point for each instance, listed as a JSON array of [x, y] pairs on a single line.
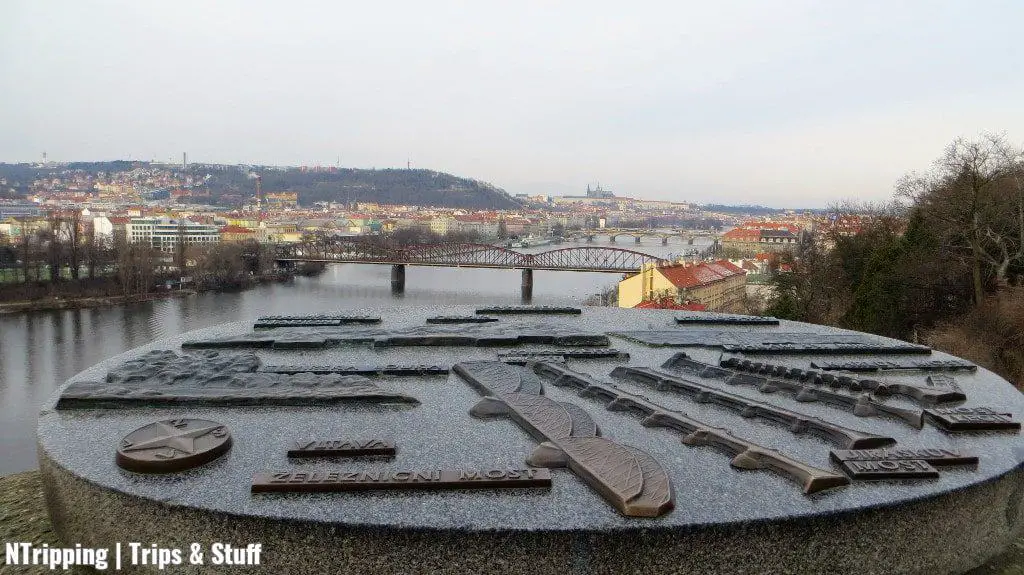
[[579, 259]]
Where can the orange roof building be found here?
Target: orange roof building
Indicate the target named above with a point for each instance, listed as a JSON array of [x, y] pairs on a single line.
[[231, 233], [763, 237], [718, 286]]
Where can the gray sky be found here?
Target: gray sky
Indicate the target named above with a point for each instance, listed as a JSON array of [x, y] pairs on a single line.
[[778, 103]]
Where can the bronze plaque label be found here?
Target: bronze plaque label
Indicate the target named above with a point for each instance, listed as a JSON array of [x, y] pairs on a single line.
[[774, 342], [173, 445], [342, 447], [881, 365], [529, 309], [888, 469], [972, 419], [935, 456], [317, 481], [706, 317]]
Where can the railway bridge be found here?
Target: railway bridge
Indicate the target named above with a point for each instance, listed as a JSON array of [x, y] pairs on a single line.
[[367, 251]]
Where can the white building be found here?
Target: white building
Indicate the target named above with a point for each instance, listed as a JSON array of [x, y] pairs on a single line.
[[103, 227], [477, 225], [164, 234]]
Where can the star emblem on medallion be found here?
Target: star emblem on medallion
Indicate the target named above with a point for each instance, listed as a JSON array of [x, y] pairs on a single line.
[[174, 438], [173, 445]]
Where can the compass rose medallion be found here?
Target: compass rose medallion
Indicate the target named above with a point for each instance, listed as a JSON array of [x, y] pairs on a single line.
[[173, 445]]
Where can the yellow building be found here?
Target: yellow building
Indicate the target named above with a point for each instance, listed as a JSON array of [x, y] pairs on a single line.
[[279, 233], [14, 228], [282, 200], [719, 286], [236, 234], [441, 225], [242, 220]]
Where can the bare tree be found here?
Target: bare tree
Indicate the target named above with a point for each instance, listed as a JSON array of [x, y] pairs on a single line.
[[136, 266], [25, 253], [975, 195], [220, 265], [72, 237], [125, 265], [53, 241], [180, 259], [1005, 245], [93, 249]]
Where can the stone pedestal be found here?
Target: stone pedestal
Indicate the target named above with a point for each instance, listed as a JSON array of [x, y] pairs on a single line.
[[675, 445]]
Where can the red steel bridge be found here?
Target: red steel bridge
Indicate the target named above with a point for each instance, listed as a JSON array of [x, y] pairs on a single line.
[[574, 259]]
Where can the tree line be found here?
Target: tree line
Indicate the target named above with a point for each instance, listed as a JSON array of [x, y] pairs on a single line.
[[941, 264], [67, 258]]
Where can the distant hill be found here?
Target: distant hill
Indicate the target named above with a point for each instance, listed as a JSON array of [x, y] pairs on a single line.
[[409, 187]]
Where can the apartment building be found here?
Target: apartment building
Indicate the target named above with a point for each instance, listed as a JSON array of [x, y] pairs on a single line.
[[164, 234]]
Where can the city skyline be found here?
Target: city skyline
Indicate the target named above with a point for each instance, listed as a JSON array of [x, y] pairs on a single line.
[[788, 105]]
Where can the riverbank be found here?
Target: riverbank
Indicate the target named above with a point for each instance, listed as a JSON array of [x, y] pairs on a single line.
[[23, 517], [56, 303], [61, 303]]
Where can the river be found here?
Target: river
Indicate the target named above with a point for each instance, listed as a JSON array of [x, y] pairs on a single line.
[[40, 350]]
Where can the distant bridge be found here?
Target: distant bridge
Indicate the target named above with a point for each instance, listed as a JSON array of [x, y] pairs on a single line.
[[687, 236], [574, 259]]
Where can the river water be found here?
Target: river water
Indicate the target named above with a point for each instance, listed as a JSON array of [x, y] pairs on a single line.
[[39, 350]]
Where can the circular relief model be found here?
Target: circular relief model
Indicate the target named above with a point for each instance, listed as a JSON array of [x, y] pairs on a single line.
[[173, 445], [610, 440]]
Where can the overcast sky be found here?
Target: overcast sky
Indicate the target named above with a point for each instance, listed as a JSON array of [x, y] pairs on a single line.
[[769, 102]]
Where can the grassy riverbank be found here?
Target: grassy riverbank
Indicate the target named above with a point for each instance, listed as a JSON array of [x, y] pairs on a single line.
[[23, 518], [58, 302]]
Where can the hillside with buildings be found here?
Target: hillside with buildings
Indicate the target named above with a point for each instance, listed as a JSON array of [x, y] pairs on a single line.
[[236, 185], [349, 185]]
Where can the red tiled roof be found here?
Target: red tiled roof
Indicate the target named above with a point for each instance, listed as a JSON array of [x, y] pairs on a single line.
[[742, 235], [729, 266], [683, 276]]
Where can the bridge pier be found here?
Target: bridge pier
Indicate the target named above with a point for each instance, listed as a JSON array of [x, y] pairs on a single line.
[[398, 278], [527, 284]]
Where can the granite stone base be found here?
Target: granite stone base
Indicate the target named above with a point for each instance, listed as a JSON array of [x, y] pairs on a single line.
[[949, 533], [730, 512]]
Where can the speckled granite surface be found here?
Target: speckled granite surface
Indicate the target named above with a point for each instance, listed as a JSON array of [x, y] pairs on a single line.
[[756, 521]]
